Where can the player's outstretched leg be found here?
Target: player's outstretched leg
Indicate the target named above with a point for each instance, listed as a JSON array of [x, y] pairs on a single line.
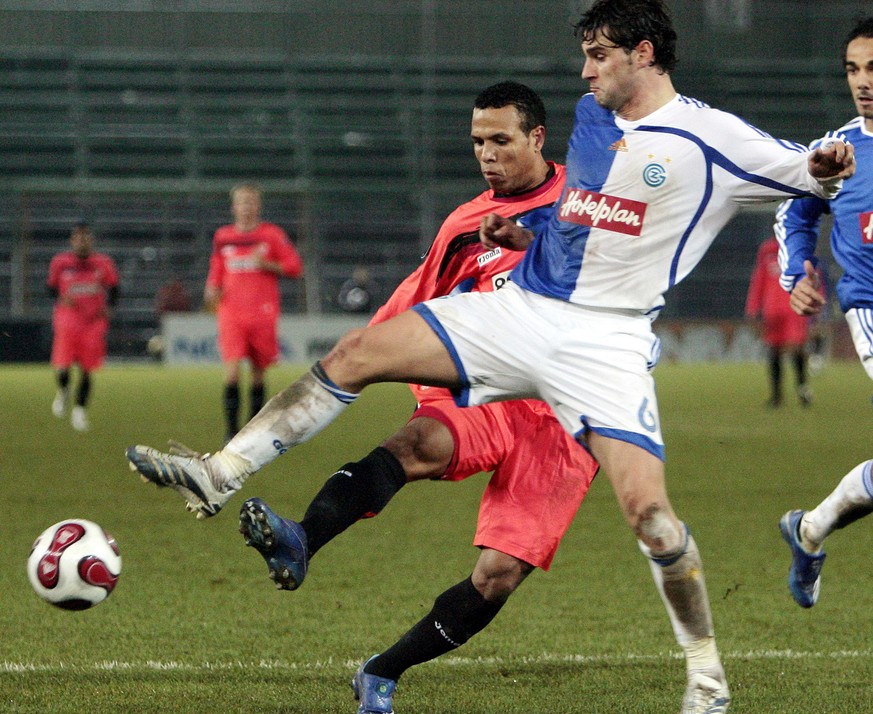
[[804, 575], [205, 481], [374, 693], [281, 542]]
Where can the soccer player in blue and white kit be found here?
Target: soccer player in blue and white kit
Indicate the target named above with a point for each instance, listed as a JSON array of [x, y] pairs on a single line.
[[852, 246], [652, 177]]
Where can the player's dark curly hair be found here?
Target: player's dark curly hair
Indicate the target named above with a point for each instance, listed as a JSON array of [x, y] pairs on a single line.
[[520, 96], [863, 28], [626, 23]]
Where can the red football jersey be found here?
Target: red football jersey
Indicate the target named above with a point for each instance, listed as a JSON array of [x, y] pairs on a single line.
[[458, 262], [766, 297], [81, 284], [247, 290]]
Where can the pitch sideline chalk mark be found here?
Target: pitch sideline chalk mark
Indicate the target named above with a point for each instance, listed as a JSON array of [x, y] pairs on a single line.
[[330, 663]]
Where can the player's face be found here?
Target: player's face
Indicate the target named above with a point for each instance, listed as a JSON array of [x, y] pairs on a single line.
[[82, 241], [610, 73], [509, 159], [246, 207], [859, 72]]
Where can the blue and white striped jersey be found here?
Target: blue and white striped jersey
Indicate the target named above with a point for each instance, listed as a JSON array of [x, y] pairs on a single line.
[[797, 223], [645, 199]]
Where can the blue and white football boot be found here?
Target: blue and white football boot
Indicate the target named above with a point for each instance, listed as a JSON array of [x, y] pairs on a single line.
[[374, 693], [804, 575], [281, 542]]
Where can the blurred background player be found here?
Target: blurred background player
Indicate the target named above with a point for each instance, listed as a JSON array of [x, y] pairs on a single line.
[[782, 329], [85, 287], [248, 258], [356, 292], [541, 474], [852, 247]]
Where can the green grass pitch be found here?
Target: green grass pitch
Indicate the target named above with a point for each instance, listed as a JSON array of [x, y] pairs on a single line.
[[195, 625]]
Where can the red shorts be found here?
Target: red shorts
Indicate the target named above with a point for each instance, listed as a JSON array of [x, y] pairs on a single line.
[[256, 339], [541, 474], [82, 344], [788, 329]]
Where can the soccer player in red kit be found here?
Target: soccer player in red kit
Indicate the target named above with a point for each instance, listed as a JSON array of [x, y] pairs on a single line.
[[782, 328], [541, 474], [85, 286], [248, 258]]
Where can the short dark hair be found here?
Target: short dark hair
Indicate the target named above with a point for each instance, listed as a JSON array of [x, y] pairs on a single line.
[[863, 28], [526, 101], [626, 23]]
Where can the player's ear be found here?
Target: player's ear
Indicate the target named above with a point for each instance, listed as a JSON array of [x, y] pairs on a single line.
[[538, 134], [645, 54]]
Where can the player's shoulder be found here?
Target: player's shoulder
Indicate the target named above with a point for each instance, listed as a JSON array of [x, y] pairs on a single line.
[[224, 233], [271, 231], [855, 131]]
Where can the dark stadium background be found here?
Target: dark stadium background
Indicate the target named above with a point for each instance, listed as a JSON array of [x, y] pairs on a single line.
[[138, 116]]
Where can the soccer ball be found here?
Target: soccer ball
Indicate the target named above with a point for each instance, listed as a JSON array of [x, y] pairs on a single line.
[[74, 564]]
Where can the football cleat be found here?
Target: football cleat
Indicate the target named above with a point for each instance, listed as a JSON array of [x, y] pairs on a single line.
[[79, 419], [189, 473], [281, 542], [374, 693], [59, 404], [707, 693], [804, 575]]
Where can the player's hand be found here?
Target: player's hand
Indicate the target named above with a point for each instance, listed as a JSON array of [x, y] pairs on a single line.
[[211, 296], [832, 160], [805, 298], [495, 230]]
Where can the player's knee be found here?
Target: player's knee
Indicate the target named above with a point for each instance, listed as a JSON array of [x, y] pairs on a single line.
[[424, 447], [659, 531], [496, 578], [348, 363]]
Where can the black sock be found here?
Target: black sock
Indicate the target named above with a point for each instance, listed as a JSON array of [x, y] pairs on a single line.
[[458, 614], [84, 390], [356, 491], [64, 379], [256, 399], [775, 375], [231, 407], [800, 368]]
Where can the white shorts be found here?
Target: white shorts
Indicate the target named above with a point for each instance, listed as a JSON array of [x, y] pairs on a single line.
[[593, 367], [860, 321]]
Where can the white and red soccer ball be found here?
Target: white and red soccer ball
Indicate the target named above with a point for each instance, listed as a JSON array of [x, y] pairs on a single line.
[[74, 564]]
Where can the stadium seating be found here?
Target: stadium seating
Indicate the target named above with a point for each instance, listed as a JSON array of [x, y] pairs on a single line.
[[360, 158]]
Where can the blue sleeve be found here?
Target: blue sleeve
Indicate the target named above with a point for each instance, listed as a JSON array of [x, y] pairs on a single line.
[[536, 220], [796, 230]]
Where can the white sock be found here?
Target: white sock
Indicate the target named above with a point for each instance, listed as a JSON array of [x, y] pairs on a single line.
[[291, 417], [850, 500], [679, 579]]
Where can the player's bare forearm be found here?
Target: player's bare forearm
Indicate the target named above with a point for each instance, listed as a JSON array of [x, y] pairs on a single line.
[[497, 231]]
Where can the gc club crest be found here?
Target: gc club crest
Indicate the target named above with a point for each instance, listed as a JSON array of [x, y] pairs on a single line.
[[654, 174]]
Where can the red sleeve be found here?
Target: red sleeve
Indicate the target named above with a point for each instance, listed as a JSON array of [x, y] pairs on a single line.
[[286, 255], [110, 279], [215, 277], [410, 292], [757, 284], [425, 283], [54, 272]]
